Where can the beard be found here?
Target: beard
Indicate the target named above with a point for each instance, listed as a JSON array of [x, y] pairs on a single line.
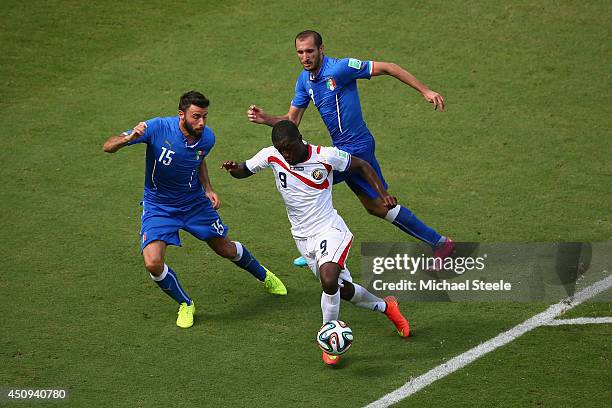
[[192, 132], [315, 64]]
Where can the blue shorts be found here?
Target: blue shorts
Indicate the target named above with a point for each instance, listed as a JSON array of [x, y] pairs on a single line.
[[358, 184], [162, 222]]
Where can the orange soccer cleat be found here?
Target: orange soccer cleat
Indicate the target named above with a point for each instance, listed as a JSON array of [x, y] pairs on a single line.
[[393, 313], [330, 359]]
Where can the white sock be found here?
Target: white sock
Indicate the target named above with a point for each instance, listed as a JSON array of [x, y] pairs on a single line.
[[392, 213], [365, 299], [239, 251], [162, 276], [330, 306], [441, 241]]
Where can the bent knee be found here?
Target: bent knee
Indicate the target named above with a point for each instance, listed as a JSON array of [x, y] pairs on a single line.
[[379, 212], [155, 266], [328, 276], [226, 250], [375, 207]]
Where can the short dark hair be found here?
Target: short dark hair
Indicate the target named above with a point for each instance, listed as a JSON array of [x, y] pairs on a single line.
[[310, 33], [192, 98], [285, 129]]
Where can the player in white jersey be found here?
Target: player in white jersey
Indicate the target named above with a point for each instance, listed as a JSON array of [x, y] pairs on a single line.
[[304, 177]]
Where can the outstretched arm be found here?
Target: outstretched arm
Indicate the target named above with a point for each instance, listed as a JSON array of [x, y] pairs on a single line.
[[208, 190], [390, 68], [237, 170], [367, 172], [257, 115], [115, 143]]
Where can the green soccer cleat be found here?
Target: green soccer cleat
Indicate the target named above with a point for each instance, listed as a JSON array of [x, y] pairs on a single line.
[[274, 285], [185, 315]]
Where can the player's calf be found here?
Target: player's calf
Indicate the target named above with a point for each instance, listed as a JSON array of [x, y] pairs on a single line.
[[223, 247], [374, 206], [168, 282], [330, 298], [361, 297], [241, 257], [347, 291]]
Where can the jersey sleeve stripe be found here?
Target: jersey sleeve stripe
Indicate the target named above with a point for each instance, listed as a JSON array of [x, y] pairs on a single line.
[[309, 152], [348, 163]]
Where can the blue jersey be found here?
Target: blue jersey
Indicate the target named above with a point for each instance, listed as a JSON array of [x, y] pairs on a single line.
[[172, 165], [334, 92]]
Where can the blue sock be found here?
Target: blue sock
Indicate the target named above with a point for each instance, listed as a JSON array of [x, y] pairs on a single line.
[[170, 284], [405, 220], [246, 261]]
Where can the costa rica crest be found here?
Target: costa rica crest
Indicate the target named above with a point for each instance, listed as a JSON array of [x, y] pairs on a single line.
[[318, 174]]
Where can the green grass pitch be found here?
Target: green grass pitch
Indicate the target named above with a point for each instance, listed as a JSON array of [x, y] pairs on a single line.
[[521, 154]]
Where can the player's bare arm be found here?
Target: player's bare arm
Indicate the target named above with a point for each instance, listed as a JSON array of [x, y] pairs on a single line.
[[256, 114], [115, 143], [208, 190], [394, 70], [367, 172], [236, 170]]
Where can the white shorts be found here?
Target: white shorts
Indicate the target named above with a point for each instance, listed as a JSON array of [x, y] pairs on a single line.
[[333, 245]]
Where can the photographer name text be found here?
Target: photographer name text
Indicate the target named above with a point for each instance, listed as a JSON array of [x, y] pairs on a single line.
[[442, 285]]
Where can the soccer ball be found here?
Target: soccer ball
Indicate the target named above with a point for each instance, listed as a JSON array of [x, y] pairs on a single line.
[[335, 337]]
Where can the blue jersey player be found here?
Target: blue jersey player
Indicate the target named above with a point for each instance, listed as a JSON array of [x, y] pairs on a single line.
[[178, 195], [331, 85]]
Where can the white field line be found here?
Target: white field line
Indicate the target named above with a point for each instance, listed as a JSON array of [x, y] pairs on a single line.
[[460, 361], [580, 320]]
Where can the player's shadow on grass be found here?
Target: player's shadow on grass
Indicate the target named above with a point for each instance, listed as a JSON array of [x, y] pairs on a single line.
[[253, 306], [374, 365]]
